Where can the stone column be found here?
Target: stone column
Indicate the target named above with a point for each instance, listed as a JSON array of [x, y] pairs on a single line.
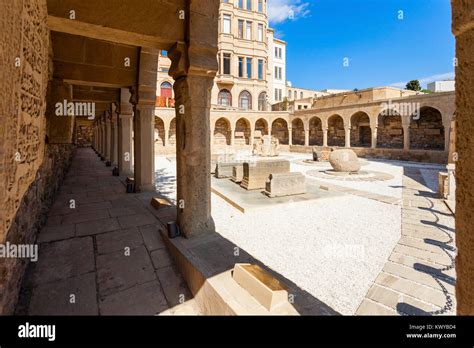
[[125, 113], [212, 137], [108, 131], [144, 149], [325, 137], [192, 87], [114, 145], [252, 134], [347, 131], [406, 137], [447, 135], [103, 138], [232, 136], [290, 136], [306, 137], [463, 24], [374, 137], [167, 135]]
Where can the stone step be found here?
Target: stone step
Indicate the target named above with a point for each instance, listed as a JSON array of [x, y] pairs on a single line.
[[186, 308]]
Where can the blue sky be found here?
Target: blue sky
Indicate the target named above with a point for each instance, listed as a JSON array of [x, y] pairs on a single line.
[[382, 49]]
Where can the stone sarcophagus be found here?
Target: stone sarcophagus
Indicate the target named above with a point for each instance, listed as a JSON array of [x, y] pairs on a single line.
[[237, 173], [285, 184], [256, 173], [225, 169]]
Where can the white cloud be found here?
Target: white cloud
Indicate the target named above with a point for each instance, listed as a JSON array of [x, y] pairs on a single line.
[[281, 10], [426, 80]]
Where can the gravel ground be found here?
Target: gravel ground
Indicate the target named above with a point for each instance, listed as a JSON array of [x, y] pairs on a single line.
[[333, 248]]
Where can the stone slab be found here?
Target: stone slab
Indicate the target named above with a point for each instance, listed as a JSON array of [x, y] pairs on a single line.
[[225, 169], [256, 173], [285, 184], [119, 240]]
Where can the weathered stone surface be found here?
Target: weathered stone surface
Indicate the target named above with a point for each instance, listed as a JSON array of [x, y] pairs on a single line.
[[256, 174], [267, 146], [237, 173], [344, 161], [224, 169], [285, 184]]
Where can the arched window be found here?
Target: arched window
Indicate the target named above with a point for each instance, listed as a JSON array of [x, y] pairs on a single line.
[[262, 102], [296, 95], [245, 100], [166, 90], [224, 98]]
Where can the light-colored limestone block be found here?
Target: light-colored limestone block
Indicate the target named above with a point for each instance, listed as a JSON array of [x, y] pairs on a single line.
[[285, 184], [256, 174]]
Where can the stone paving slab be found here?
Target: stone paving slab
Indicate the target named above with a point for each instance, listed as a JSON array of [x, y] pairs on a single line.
[[419, 277], [82, 251]]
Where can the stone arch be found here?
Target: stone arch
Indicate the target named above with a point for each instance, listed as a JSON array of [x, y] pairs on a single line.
[[159, 132], [315, 131], [261, 125], [245, 100], [336, 133], [224, 98], [172, 133], [297, 131], [427, 129], [242, 132], [389, 130], [222, 132], [361, 134], [280, 131]]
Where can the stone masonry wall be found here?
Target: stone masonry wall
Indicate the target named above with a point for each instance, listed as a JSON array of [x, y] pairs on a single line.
[[30, 217]]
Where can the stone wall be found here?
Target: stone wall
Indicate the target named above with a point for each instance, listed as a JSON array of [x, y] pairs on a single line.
[[390, 132], [427, 132], [23, 83], [30, 217]]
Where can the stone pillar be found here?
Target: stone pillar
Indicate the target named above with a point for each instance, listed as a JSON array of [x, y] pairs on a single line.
[[125, 113], [463, 29], [167, 135], [447, 135], [144, 149], [114, 145], [406, 137], [212, 137], [108, 137], [192, 87], [306, 137], [232, 136], [374, 137], [103, 138], [252, 135], [325, 137], [290, 136], [347, 134]]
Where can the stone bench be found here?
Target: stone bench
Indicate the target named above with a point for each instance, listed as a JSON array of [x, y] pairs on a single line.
[[256, 173], [225, 169], [285, 184], [237, 173]]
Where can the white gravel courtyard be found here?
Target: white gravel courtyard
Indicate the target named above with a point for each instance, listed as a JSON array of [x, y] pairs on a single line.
[[333, 248]]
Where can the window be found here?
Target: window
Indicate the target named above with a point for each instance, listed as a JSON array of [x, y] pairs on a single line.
[[260, 32], [277, 94], [262, 102], [289, 94], [260, 5], [301, 95], [226, 24], [248, 32], [249, 5], [249, 68], [224, 98], [226, 63], [166, 90], [260, 69], [278, 52], [240, 3], [241, 66], [296, 95], [245, 100], [241, 29], [278, 73]]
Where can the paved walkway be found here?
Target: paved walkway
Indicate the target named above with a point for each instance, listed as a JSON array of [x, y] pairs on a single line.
[[419, 277], [100, 251]]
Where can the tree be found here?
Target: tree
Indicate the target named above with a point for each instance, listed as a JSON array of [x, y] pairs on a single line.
[[413, 85]]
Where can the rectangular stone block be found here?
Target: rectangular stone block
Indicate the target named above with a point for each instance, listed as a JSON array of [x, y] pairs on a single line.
[[224, 169], [237, 173], [285, 184], [267, 290], [158, 203], [256, 174]]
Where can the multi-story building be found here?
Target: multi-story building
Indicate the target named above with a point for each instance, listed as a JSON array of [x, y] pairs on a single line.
[[277, 71]]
